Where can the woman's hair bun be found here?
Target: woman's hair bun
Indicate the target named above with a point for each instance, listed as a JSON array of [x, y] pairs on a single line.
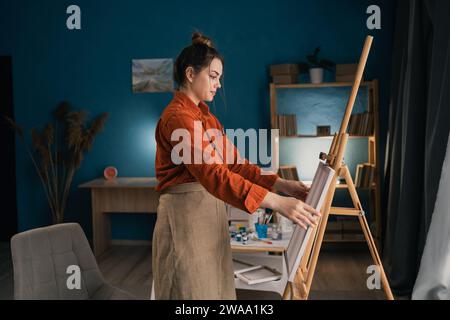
[[198, 38], [198, 55]]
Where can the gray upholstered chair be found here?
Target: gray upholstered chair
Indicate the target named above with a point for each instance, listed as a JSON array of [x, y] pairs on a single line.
[[41, 258]]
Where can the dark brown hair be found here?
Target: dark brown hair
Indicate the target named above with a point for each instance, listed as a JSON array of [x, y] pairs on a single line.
[[198, 56]]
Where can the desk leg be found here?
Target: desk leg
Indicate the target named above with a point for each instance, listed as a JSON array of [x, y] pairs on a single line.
[[101, 224]]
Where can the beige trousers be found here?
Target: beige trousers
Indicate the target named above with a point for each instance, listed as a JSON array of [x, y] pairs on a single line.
[[191, 253]]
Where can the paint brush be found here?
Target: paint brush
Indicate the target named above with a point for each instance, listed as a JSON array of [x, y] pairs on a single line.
[[268, 220]]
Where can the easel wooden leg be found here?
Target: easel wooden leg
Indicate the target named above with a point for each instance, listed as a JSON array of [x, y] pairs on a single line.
[[287, 292], [306, 260], [299, 286], [375, 256], [366, 229]]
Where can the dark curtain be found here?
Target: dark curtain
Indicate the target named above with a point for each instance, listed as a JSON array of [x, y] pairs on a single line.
[[419, 124]]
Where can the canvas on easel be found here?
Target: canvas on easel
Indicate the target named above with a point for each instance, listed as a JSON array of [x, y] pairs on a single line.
[[322, 179], [262, 271]]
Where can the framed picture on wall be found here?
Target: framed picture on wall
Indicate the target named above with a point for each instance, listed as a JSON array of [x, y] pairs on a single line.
[[152, 75]]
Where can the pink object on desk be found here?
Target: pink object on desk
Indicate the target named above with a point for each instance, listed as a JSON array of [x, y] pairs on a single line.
[[110, 173]]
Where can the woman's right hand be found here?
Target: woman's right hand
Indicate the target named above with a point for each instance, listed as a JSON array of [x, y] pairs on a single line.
[[295, 210]]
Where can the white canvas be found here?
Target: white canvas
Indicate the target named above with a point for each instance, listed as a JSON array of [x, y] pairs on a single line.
[[294, 253]]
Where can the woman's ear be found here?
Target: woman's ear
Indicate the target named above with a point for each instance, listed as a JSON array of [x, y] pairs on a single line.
[[190, 74]]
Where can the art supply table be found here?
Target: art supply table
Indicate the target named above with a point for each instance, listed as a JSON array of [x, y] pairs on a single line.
[[262, 246]]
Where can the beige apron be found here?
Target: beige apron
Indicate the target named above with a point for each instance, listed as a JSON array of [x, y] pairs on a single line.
[[191, 253]]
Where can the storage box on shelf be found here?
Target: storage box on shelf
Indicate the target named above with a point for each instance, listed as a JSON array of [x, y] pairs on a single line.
[[284, 73]]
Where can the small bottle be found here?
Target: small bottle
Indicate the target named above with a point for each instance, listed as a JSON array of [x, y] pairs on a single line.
[[270, 230], [274, 233], [277, 232], [280, 231]]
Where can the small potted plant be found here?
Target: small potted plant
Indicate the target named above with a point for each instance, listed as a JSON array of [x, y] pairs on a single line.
[[316, 66]]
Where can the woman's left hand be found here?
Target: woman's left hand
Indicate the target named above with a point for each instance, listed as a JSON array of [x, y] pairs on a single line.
[[296, 189]]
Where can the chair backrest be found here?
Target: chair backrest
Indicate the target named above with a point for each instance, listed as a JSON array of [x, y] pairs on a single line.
[[41, 258], [300, 237]]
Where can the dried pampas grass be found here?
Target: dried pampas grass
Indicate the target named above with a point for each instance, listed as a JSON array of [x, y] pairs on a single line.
[[58, 151]]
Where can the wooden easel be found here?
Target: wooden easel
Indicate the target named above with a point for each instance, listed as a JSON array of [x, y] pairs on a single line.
[[334, 158]]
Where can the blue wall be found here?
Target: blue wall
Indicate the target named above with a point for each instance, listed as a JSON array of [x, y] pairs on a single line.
[[91, 69]]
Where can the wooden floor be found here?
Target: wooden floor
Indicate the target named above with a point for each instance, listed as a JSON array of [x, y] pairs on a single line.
[[341, 273]]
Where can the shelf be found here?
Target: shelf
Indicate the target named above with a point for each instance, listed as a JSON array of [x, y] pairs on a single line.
[[318, 85], [314, 136], [372, 148]]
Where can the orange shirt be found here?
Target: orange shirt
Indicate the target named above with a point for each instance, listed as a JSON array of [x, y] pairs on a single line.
[[241, 185]]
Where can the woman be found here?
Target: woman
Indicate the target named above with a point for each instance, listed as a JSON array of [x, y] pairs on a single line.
[[191, 249]]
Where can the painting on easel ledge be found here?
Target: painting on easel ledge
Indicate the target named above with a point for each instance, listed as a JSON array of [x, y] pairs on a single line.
[[152, 75]]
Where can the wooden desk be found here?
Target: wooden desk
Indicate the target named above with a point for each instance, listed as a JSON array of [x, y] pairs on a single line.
[[134, 195]]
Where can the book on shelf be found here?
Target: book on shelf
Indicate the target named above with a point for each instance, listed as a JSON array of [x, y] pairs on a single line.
[[287, 124], [323, 131], [347, 72], [365, 173], [361, 124]]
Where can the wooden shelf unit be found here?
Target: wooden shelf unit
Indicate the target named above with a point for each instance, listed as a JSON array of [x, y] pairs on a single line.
[[373, 147]]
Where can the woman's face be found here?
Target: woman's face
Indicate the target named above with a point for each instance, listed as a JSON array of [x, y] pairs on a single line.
[[205, 83]]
